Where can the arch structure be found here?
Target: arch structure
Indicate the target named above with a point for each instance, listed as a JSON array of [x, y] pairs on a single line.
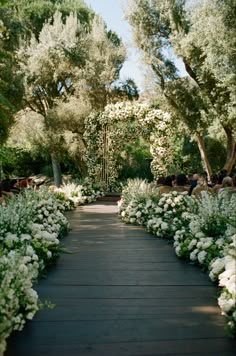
[[107, 132]]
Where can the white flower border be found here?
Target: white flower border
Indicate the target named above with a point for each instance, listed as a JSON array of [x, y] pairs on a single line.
[[31, 225], [188, 221]]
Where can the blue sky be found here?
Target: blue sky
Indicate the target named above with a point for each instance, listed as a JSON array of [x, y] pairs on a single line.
[[112, 13]]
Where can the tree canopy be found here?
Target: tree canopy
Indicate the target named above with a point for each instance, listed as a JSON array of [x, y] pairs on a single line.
[[69, 64], [207, 93]]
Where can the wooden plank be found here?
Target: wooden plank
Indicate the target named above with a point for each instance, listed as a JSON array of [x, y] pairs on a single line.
[[111, 311], [199, 302], [118, 331], [119, 266], [122, 292], [127, 278], [127, 292], [203, 347]]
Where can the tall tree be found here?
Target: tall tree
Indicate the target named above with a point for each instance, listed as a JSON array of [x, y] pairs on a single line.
[[162, 25], [11, 88], [19, 19], [213, 28], [68, 64], [23, 17]]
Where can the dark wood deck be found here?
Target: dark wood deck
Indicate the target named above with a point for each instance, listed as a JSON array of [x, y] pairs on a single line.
[[122, 292]]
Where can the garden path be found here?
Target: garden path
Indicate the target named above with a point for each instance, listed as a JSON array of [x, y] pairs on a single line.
[[122, 292]]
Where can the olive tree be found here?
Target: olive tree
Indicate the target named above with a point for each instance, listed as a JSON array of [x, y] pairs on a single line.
[[70, 67], [160, 26]]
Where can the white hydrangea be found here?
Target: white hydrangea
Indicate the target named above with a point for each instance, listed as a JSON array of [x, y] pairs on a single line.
[[193, 255], [226, 302], [201, 256], [192, 244], [216, 267]]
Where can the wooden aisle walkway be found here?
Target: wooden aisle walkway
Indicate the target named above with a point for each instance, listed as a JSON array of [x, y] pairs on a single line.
[[122, 292]]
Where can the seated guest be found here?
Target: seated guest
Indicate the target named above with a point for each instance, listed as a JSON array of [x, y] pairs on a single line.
[[213, 181], [201, 186], [166, 187], [193, 183], [181, 184], [227, 184], [173, 178], [233, 189], [221, 176], [160, 181]]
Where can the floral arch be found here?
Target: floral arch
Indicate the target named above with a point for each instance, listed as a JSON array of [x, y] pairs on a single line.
[[107, 131]]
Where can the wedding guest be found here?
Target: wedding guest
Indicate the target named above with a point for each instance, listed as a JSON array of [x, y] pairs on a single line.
[[227, 184], [181, 184], [213, 181], [201, 186], [193, 183], [167, 186], [221, 176], [160, 181]]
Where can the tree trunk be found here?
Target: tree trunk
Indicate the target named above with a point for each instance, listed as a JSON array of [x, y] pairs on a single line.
[[56, 170], [231, 149], [82, 167], [202, 149]]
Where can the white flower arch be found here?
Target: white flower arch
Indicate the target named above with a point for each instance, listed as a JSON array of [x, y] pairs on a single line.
[[106, 133]]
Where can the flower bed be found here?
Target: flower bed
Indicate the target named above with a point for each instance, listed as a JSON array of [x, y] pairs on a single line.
[[73, 194], [31, 225], [203, 231]]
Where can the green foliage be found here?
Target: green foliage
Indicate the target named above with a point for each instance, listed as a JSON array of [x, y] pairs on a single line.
[[18, 20], [186, 156], [11, 89], [18, 162], [122, 91], [68, 71], [135, 161], [201, 33], [69, 62], [216, 152], [215, 226], [23, 17]]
